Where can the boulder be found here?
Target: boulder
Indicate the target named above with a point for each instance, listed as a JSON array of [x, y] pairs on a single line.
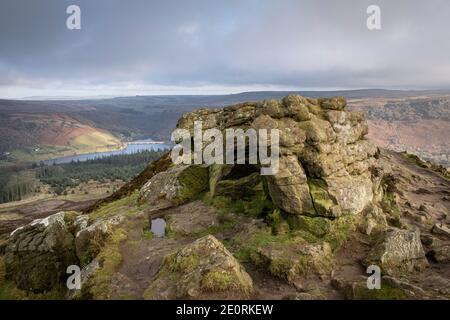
[[86, 273], [398, 251], [437, 250], [373, 220], [175, 186], [38, 254], [356, 289], [204, 266], [324, 204], [291, 261], [352, 193]]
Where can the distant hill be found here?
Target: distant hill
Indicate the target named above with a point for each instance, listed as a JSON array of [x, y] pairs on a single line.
[[129, 118]]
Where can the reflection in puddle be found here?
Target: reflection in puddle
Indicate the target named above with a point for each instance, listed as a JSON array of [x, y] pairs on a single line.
[[158, 227]]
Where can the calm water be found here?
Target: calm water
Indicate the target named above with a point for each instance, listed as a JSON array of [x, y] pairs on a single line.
[[134, 147], [158, 227]]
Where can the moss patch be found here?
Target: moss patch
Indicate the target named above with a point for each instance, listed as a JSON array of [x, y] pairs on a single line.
[[320, 197], [183, 264], [220, 280], [318, 226], [110, 259], [335, 232], [193, 181], [127, 205], [385, 293], [248, 247], [341, 229]]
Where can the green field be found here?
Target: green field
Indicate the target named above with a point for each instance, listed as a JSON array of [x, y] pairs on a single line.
[[87, 143]]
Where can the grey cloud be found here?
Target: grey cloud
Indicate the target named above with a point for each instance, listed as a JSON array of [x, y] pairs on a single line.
[[233, 43]]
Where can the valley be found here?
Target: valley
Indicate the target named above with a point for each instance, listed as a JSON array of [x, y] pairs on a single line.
[[42, 130], [419, 125]]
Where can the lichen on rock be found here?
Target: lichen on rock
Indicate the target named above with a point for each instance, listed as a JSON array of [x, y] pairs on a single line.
[[204, 266], [398, 251]]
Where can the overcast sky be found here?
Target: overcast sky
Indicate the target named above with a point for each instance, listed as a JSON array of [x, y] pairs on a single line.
[[204, 46]]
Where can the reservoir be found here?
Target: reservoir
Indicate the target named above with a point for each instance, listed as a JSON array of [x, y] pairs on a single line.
[[132, 147]]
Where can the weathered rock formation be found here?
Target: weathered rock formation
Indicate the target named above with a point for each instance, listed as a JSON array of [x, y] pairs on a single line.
[[324, 156]]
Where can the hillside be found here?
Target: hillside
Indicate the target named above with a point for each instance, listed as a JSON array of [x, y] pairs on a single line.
[[337, 205], [419, 125], [34, 136], [398, 120]]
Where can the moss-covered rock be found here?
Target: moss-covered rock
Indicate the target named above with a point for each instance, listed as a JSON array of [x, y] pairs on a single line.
[[202, 267], [90, 239], [278, 223], [38, 254], [101, 271], [175, 186], [357, 290], [323, 203], [216, 173]]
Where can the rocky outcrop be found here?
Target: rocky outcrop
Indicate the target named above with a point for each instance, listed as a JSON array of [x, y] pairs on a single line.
[[398, 251], [204, 266], [324, 158], [38, 254], [327, 172]]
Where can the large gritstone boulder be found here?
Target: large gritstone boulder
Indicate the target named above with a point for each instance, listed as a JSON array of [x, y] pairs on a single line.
[[324, 162], [39, 253]]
